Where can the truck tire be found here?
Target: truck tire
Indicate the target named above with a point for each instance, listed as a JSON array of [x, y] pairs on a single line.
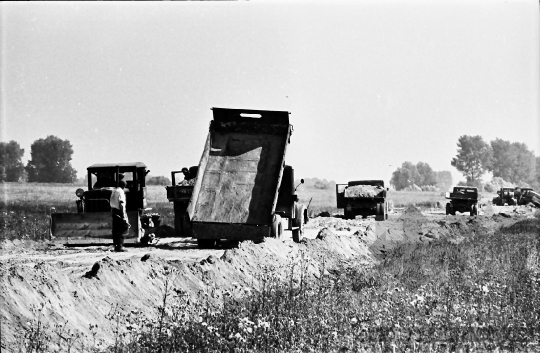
[[299, 221], [206, 243], [447, 209], [379, 216], [277, 228], [472, 211], [475, 210]]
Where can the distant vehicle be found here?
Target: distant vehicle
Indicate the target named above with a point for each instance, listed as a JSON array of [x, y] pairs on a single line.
[[363, 198], [529, 196], [243, 187], [93, 222], [462, 199], [505, 197]]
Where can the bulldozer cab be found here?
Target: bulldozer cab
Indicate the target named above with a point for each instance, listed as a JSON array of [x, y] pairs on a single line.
[[102, 178]]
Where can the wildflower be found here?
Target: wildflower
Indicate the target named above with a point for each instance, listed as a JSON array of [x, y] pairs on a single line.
[[249, 330], [485, 289], [354, 321]]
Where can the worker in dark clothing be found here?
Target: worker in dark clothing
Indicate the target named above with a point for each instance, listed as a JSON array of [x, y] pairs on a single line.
[[120, 223], [190, 173]]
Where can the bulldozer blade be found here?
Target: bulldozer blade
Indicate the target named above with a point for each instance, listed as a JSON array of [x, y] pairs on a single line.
[[90, 228]]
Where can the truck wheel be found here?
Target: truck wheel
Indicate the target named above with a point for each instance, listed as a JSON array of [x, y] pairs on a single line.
[[299, 221], [277, 227], [206, 243], [379, 212], [472, 211], [447, 209], [186, 225], [475, 210]]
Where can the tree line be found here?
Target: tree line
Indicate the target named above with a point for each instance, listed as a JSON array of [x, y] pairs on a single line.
[[420, 176], [510, 161], [50, 161]]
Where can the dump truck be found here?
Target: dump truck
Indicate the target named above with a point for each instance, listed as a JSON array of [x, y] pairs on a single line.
[[505, 196], [363, 198], [180, 195], [244, 190], [462, 199], [93, 222], [529, 196]]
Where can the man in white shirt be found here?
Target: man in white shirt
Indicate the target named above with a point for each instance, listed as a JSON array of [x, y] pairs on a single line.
[[120, 223]]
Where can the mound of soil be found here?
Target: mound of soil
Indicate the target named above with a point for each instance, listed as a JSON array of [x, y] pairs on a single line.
[[81, 286]]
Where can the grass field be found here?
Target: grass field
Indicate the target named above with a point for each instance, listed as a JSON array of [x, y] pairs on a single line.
[[25, 207], [480, 295]]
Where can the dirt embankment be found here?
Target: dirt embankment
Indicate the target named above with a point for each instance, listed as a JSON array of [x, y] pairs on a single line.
[[81, 286]]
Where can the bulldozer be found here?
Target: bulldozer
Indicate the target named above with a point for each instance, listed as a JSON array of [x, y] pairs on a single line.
[[505, 197], [92, 224]]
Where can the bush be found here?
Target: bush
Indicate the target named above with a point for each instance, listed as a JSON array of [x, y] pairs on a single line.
[[158, 180]]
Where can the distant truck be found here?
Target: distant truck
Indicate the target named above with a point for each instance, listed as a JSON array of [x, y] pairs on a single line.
[[93, 221], [462, 199], [528, 196], [180, 195], [244, 189], [363, 198], [505, 196]]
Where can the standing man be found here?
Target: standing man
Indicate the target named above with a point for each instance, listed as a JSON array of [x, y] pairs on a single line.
[[120, 223]]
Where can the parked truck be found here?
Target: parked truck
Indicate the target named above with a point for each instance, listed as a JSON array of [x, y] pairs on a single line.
[[505, 196], [244, 189], [363, 198], [93, 222], [180, 195], [462, 199]]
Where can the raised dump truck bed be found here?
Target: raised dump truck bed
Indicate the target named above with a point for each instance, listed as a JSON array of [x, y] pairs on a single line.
[[236, 192]]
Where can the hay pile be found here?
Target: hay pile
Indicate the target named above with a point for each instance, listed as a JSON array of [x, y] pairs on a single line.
[[364, 191]]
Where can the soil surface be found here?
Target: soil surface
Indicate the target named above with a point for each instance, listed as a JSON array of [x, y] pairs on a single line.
[[82, 285]]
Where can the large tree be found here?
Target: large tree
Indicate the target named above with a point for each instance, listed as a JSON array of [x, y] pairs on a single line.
[[473, 158], [502, 159], [513, 162], [11, 165], [405, 176], [427, 175], [50, 161], [523, 169], [444, 180]]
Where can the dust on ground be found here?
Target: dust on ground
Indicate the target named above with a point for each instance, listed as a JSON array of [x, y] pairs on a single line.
[[82, 285]]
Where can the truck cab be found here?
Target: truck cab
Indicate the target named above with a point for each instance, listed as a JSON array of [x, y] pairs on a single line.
[[462, 199]]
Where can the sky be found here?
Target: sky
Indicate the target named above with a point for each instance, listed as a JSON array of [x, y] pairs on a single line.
[[368, 84]]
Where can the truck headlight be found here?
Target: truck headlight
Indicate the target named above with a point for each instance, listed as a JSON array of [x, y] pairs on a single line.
[[79, 192]]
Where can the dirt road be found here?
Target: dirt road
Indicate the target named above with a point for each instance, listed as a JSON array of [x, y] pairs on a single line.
[[80, 286]]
